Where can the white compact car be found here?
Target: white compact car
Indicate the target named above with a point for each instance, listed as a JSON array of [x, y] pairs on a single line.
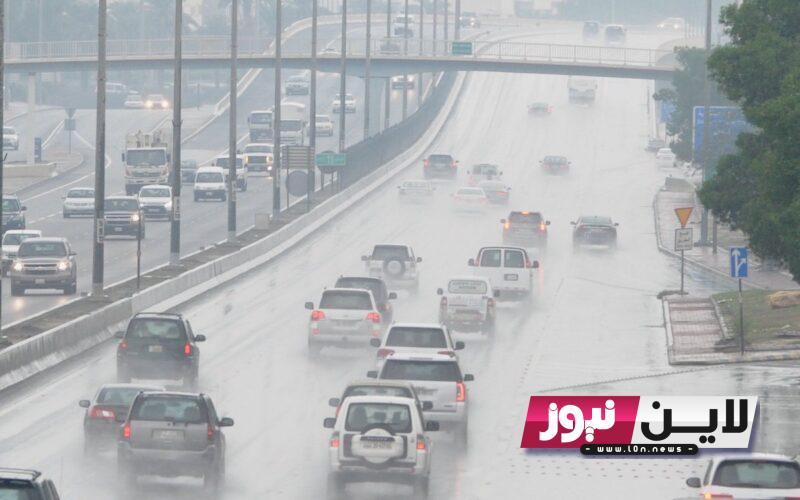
[[324, 125], [666, 158], [410, 338], [379, 439], [749, 475], [436, 378], [508, 269], [416, 191], [222, 161], [156, 101], [345, 317], [156, 201], [470, 199], [10, 139], [349, 103], [394, 264], [468, 304], [133, 101], [78, 201], [209, 184], [11, 240]]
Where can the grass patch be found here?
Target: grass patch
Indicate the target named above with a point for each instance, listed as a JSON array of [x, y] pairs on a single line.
[[761, 322]]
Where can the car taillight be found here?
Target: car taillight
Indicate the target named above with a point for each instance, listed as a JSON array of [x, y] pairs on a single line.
[[421, 446], [383, 353], [317, 315], [374, 317], [453, 165], [542, 226], [126, 431], [102, 413], [718, 496], [210, 432], [426, 163], [507, 225], [187, 349], [443, 302], [447, 353], [335, 440], [490, 302], [123, 345], [461, 392]]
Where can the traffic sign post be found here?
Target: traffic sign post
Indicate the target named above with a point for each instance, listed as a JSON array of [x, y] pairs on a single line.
[[684, 239], [328, 161], [739, 269]]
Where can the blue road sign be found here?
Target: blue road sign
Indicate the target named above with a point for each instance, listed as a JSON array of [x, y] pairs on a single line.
[[726, 123], [738, 262], [666, 111]]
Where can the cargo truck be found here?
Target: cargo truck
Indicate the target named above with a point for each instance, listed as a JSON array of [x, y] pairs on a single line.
[[147, 159]]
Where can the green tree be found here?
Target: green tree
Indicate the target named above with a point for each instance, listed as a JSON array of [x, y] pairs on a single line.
[[757, 189]]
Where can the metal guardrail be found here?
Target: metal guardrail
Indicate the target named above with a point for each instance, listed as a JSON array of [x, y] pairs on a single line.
[[216, 47]]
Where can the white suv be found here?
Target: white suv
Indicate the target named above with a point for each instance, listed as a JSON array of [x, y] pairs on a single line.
[[467, 304], [436, 378], [209, 182], [395, 264], [415, 338], [379, 439], [344, 317]]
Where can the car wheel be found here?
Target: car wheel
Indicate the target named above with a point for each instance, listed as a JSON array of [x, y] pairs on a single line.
[[463, 435], [66, 214], [196, 198], [17, 290], [336, 486], [488, 327], [71, 289], [212, 480], [314, 349], [421, 487], [89, 445]]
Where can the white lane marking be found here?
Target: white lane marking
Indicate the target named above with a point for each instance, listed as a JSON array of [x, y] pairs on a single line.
[[53, 133]]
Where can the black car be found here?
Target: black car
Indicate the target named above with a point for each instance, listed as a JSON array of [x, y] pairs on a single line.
[[438, 165], [106, 411], [525, 229], [594, 230], [13, 213], [26, 484], [123, 217], [591, 29], [379, 291], [555, 164], [159, 346], [188, 171]]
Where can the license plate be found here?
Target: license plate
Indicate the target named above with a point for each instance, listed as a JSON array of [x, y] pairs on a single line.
[[39, 281], [168, 435], [376, 445], [511, 277], [345, 325], [155, 348]]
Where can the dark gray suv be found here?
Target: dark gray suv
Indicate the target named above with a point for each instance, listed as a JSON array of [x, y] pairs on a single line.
[[173, 434], [25, 484]]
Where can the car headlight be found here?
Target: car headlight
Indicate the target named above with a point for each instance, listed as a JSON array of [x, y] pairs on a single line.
[[164, 104], [168, 205], [148, 104], [63, 265], [135, 217], [17, 266]]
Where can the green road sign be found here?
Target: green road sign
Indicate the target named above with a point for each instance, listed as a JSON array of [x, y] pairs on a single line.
[[331, 159], [462, 48]]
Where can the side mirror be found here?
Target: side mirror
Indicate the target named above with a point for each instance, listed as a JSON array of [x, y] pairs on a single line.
[[536, 264], [23, 208], [199, 338], [334, 402], [375, 342], [573, 222], [439, 291], [471, 262], [365, 258], [372, 374], [616, 224], [84, 403], [226, 422], [169, 157], [123, 157], [119, 335], [73, 253], [496, 293], [309, 305], [427, 405], [419, 259], [502, 221], [432, 426], [329, 423], [459, 345], [392, 295], [693, 482], [469, 377], [547, 223]]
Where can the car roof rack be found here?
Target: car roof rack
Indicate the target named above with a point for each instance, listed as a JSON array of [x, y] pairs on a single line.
[[19, 473]]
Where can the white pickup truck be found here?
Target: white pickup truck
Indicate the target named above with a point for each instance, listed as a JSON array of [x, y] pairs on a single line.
[[509, 270], [468, 304]]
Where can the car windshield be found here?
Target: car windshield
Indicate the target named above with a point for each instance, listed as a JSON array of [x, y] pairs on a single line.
[[9, 131], [224, 161], [525, 218], [80, 193], [555, 159], [31, 248], [416, 185], [146, 157], [291, 125], [362, 415], [492, 186], [595, 221], [485, 169], [428, 338], [373, 285], [16, 238], [119, 396], [156, 192], [258, 149], [121, 205], [16, 489], [440, 158], [155, 97], [467, 286], [378, 390], [134, 98], [383, 252], [757, 474], [345, 299], [436, 371], [184, 410], [261, 118], [209, 177], [155, 329], [470, 192], [323, 119], [11, 205]]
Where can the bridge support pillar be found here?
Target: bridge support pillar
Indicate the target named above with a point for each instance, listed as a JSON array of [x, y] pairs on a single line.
[[377, 86], [31, 120]]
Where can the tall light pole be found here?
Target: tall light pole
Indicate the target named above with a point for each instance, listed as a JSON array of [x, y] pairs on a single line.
[[405, 53], [343, 82], [421, 50], [387, 91], [276, 114], [232, 125], [458, 20], [446, 23], [98, 254], [367, 56], [2, 117], [175, 228], [706, 126], [435, 22], [312, 142]]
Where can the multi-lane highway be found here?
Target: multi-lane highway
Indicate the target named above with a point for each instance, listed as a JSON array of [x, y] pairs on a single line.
[[595, 326], [44, 200]]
